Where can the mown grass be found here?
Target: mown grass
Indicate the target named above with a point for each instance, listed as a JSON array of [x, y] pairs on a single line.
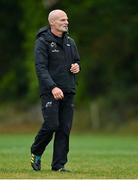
[[91, 156]]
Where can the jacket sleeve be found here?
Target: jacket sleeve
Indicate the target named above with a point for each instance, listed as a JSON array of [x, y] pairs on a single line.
[[76, 54], [41, 64]]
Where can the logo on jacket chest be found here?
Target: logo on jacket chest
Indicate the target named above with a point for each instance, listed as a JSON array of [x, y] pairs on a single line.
[[54, 47]]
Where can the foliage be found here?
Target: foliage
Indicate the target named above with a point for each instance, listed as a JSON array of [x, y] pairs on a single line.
[[11, 52], [34, 17], [106, 35]]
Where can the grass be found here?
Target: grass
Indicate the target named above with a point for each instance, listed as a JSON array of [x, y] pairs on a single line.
[[91, 156]]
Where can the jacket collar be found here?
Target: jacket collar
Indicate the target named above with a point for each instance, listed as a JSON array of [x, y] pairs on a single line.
[[48, 36]]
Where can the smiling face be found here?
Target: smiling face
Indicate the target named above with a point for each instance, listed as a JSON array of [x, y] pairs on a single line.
[[58, 21], [61, 23]]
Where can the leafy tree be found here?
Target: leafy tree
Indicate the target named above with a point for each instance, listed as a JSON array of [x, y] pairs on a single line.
[[11, 53], [34, 17], [106, 35]]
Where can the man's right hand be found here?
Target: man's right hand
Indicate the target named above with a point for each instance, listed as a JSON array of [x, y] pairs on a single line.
[[57, 93]]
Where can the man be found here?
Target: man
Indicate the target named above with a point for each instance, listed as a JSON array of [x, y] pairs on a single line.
[[57, 63]]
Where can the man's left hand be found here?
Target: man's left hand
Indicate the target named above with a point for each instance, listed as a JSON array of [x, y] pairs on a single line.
[[75, 68]]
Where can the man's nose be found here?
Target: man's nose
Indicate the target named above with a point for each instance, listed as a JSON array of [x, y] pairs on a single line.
[[67, 22]]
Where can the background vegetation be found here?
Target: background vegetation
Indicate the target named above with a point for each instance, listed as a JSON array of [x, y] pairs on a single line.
[[106, 34]]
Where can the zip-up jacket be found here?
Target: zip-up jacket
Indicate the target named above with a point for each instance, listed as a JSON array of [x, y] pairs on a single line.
[[53, 61]]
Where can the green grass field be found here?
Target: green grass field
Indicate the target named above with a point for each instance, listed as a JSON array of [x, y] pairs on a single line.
[[91, 156]]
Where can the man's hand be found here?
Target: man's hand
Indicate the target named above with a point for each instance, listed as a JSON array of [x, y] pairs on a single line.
[[75, 68], [57, 93]]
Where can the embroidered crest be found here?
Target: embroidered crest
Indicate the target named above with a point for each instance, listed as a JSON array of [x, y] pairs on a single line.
[[53, 44], [48, 104]]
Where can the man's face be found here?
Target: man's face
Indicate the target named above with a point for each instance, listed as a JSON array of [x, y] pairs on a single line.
[[60, 23]]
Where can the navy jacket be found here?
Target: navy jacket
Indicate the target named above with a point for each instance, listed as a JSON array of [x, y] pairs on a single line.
[[53, 61]]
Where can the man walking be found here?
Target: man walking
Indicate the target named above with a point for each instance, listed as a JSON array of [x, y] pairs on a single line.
[[57, 63]]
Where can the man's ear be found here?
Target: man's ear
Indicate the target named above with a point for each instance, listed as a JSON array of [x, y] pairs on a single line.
[[52, 22]]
